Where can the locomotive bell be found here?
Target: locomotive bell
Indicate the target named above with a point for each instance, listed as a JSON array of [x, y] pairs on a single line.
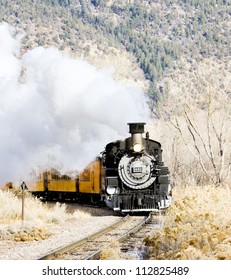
[[136, 130]]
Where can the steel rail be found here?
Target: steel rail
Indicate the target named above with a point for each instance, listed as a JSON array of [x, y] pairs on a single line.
[[84, 240], [96, 255]]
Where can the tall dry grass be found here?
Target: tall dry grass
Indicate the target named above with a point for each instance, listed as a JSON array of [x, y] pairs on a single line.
[[197, 226], [37, 217]]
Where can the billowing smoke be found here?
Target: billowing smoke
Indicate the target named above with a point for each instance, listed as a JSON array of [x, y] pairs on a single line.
[[58, 111]]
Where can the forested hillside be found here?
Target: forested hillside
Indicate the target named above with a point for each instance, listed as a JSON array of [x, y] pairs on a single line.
[[149, 35]]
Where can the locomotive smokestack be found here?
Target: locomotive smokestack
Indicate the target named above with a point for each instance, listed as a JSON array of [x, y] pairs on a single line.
[[136, 130], [136, 127]]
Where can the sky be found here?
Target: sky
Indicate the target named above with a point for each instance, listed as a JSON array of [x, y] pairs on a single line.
[[56, 111]]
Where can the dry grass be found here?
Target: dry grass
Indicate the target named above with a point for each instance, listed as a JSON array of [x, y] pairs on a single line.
[[37, 217], [24, 232], [112, 252], [197, 226]]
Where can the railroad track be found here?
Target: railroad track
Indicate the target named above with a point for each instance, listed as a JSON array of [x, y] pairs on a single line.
[[133, 246], [91, 247]]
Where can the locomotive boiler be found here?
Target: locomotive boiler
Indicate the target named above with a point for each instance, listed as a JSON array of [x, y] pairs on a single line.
[[136, 179]]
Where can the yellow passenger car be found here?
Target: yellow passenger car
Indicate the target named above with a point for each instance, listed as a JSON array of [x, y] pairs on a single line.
[[53, 185], [90, 178]]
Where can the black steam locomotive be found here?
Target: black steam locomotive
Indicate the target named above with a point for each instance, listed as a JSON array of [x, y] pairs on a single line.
[[136, 179]]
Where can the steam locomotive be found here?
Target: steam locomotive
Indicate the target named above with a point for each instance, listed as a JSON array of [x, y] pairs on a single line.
[[129, 176], [135, 176]]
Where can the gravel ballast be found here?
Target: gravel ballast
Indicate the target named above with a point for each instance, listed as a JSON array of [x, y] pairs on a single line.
[[62, 234]]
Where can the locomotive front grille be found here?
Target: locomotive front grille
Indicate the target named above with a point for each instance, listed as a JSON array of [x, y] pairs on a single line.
[[134, 203]]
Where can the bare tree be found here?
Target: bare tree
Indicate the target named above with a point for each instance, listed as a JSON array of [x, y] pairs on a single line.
[[205, 132]]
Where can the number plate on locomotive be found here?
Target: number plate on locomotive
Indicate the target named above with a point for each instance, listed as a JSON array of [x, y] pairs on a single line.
[[137, 169]]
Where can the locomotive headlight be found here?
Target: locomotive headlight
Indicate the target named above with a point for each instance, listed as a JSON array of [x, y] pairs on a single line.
[[111, 190], [137, 148], [136, 142]]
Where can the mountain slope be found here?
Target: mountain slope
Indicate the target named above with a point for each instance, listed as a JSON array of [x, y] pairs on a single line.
[[149, 37]]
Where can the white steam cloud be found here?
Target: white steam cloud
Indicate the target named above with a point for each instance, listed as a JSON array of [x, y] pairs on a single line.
[[63, 113]]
